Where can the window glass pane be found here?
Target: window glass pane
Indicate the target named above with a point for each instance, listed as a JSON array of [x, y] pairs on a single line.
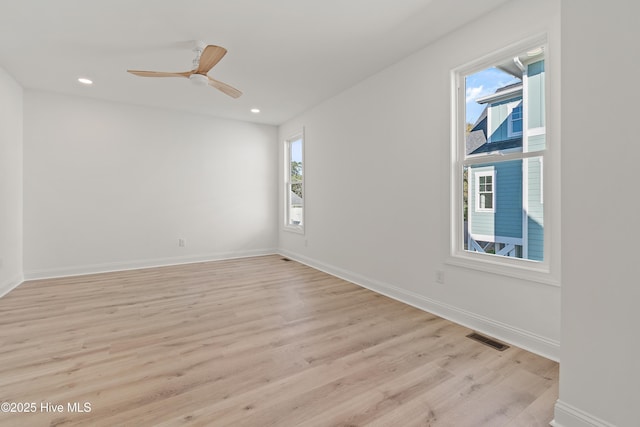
[[516, 120], [295, 187], [296, 160], [517, 126], [491, 95], [516, 114], [507, 208]]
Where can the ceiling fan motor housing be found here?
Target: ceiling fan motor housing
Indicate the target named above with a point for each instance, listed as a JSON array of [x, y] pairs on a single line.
[[199, 79]]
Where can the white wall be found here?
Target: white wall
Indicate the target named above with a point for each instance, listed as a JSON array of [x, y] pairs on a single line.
[[377, 186], [600, 373], [110, 186], [11, 99]]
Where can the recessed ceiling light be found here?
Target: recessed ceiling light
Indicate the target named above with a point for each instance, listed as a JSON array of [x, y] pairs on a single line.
[[85, 81], [255, 110]]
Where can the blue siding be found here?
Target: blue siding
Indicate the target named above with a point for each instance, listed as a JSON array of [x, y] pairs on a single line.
[[509, 199], [506, 221]]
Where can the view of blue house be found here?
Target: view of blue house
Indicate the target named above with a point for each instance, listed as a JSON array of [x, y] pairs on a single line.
[[505, 195]]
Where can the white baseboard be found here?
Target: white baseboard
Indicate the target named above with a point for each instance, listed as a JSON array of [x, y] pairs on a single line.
[[134, 265], [10, 285], [570, 416], [524, 339]]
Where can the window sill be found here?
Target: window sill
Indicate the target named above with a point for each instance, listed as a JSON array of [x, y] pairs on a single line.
[[519, 269], [294, 229]]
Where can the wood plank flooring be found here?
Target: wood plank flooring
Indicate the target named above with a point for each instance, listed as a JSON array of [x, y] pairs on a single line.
[[251, 342]]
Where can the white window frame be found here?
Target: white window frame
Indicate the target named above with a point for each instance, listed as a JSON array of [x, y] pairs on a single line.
[[476, 177], [288, 225], [546, 271]]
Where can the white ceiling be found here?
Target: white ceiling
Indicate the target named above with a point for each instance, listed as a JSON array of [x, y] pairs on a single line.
[[285, 55]]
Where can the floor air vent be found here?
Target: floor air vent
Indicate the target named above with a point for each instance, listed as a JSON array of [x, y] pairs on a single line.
[[488, 341]]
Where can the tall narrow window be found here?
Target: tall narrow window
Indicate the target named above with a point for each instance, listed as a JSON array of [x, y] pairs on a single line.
[[294, 183], [499, 153]]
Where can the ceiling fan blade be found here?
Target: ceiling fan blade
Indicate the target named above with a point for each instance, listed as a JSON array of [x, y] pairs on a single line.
[[159, 73], [210, 56], [231, 91]]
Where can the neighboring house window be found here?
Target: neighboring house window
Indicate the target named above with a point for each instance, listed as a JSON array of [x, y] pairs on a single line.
[[497, 172], [515, 121], [294, 183], [484, 191]]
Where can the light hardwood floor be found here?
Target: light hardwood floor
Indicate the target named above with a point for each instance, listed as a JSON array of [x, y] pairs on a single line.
[[252, 342]]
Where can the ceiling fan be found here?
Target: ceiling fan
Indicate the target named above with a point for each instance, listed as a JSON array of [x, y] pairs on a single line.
[[206, 58]]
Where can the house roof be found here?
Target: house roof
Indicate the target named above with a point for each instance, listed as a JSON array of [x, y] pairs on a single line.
[[478, 134], [475, 140], [505, 92], [295, 199], [507, 144]]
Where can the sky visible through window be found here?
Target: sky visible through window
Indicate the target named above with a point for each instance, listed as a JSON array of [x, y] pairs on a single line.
[[296, 151], [480, 84]]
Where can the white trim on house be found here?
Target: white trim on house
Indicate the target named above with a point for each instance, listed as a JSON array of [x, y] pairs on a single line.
[[500, 96], [504, 155], [536, 131]]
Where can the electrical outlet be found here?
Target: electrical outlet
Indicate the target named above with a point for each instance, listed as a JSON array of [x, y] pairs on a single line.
[[440, 276], [182, 243]]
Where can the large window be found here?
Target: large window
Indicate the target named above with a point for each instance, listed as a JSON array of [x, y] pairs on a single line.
[[500, 144], [294, 183]]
